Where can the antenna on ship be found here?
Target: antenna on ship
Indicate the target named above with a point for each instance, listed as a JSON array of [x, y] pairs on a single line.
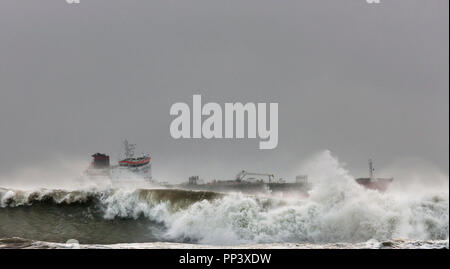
[[129, 149], [371, 169]]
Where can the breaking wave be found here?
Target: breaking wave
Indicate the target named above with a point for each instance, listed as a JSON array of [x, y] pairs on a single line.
[[111, 199], [337, 210]]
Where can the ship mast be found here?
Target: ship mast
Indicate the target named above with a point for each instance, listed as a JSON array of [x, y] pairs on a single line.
[[371, 169], [129, 149]]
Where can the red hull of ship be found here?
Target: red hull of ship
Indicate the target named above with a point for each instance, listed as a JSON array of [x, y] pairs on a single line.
[[380, 184]]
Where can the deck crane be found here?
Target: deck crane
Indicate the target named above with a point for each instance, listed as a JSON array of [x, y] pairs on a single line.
[[243, 174]]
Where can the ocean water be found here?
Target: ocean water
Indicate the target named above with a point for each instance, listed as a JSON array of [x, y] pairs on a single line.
[[337, 214]]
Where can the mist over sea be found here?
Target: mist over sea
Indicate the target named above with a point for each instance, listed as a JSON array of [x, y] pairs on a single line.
[[338, 213]]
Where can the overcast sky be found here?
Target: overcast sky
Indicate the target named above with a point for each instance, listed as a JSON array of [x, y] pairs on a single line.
[[360, 80]]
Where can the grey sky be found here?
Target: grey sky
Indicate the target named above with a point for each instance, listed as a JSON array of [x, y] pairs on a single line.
[[360, 80]]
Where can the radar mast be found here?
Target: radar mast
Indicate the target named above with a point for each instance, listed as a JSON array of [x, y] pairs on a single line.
[[129, 149], [371, 169]]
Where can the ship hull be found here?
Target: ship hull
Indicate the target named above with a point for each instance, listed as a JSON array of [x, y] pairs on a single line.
[[379, 184], [120, 173], [250, 188]]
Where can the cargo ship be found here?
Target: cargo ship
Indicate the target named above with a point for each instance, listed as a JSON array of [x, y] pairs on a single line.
[[139, 166], [373, 183], [246, 182]]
